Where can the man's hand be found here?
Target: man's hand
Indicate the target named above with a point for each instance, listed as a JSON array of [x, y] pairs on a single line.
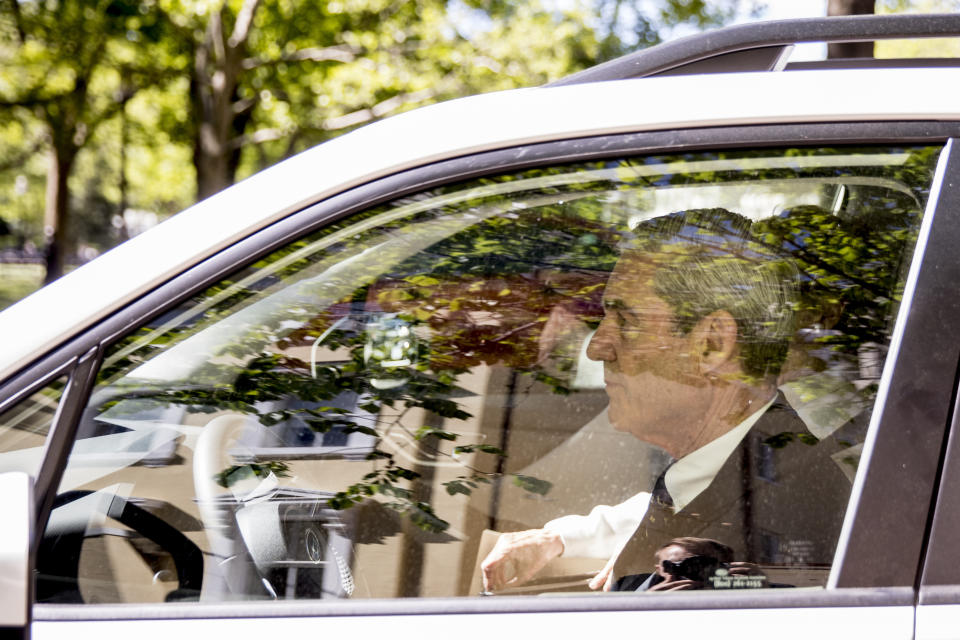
[[519, 556], [602, 581]]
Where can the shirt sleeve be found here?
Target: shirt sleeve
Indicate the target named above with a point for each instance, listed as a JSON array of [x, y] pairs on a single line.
[[603, 531]]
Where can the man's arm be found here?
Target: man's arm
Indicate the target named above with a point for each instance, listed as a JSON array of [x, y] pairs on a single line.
[[603, 531], [517, 557]]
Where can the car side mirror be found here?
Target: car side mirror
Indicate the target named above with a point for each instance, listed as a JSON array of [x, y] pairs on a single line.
[[17, 507]]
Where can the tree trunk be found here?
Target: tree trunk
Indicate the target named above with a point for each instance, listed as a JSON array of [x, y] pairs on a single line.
[[850, 49], [56, 217], [210, 158], [215, 102], [213, 115]]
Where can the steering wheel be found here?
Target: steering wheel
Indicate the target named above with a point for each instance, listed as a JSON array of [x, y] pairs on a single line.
[[58, 560]]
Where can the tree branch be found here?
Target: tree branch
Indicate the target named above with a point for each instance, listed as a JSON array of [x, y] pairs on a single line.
[[243, 105], [241, 29], [259, 136], [337, 53], [378, 110], [354, 118], [215, 33]]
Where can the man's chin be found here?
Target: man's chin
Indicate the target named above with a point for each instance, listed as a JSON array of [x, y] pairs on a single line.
[[628, 427], [619, 425]]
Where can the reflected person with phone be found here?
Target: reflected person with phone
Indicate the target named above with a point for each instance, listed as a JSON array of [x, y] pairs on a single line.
[[686, 564]]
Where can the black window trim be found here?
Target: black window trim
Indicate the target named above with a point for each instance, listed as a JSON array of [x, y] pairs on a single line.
[[25, 386], [248, 250], [939, 583], [35, 378], [58, 445], [80, 372]]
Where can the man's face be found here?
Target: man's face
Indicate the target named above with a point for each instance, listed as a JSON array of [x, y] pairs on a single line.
[[651, 376]]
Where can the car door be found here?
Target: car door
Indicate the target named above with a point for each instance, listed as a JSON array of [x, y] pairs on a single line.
[[344, 409]]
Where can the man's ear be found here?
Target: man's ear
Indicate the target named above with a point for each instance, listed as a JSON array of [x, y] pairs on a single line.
[[715, 340]]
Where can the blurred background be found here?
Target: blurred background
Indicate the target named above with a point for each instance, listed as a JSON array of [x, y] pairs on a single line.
[[116, 114]]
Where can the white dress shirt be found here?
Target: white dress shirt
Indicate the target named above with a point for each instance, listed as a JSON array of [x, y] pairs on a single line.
[[602, 532]]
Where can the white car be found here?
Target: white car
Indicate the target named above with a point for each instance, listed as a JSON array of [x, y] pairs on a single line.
[[309, 404]]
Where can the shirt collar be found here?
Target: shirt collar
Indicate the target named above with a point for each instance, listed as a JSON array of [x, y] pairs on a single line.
[[690, 475]]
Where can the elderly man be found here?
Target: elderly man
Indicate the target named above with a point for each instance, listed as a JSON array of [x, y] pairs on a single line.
[[697, 323]]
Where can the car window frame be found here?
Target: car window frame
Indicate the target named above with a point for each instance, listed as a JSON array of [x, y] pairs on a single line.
[[853, 572], [79, 368], [939, 583]]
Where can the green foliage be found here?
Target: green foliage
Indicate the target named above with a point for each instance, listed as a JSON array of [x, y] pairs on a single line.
[[531, 484], [465, 484], [68, 68], [424, 432], [384, 481], [121, 90], [237, 473], [856, 262], [626, 25]]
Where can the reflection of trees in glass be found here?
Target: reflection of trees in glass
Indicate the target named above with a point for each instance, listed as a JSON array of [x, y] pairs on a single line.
[[478, 296], [475, 279], [857, 258], [853, 262]]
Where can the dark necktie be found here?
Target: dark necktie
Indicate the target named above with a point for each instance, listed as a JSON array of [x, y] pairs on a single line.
[[660, 494], [657, 527]]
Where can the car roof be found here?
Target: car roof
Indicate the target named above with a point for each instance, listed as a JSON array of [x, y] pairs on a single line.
[[447, 130]]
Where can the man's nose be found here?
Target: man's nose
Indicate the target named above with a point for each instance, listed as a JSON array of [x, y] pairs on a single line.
[[601, 345]]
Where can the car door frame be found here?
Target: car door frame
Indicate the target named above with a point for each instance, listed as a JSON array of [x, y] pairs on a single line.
[[938, 602], [892, 586]]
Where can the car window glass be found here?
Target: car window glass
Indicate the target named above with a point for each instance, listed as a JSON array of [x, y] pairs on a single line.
[[661, 365], [24, 428]]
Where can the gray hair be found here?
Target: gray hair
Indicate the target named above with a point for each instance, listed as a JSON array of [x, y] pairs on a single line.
[[708, 260]]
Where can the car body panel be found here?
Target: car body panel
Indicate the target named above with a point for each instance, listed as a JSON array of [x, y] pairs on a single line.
[[893, 623], [937, 622], [16, 498]]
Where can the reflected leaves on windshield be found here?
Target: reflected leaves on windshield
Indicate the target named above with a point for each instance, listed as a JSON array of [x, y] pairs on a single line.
[[411, 297]]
